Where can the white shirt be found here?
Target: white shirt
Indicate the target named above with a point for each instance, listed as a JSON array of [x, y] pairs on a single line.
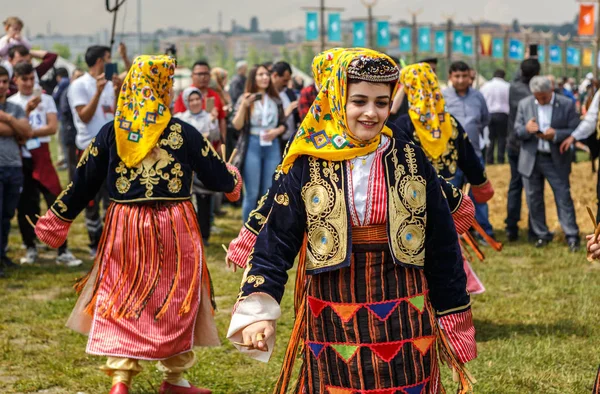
[[495, 93], [81, 91], [544, 119], [587, 126], [37, 118]]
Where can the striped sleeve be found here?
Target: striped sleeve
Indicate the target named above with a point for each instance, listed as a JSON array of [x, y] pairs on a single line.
[[461, 334], [464, 215], [235, 194], [52, 230], [240, 248]]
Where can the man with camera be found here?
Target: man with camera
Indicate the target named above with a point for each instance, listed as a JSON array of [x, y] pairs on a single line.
[[93, 98]]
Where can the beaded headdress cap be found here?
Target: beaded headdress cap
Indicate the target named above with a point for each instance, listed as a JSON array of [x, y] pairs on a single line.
[[371, 69]]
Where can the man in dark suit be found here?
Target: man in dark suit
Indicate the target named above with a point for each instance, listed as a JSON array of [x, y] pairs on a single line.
[[543, 122], [518, 91]]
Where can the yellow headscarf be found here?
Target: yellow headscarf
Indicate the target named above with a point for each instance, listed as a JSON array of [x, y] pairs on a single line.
[[324, 133], [143, 107], [427, 108]]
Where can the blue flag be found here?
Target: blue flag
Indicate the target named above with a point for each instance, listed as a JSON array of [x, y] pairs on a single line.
[[335, 27], [457, 42], [468, 45], [312, 26], [424, 39], [555, 54], [573, 56], [359, 34], [498, 48], [383, 34], [405, 39], [516, 50], [440, 42], [541, 53]]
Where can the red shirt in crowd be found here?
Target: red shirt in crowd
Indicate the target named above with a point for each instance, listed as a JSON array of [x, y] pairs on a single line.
[[307, 96]]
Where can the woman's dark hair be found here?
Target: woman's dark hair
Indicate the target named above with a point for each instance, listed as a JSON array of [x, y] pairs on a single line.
[[251, 86]]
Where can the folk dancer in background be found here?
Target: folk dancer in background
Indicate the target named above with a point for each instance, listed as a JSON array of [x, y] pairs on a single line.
[[148, 296]]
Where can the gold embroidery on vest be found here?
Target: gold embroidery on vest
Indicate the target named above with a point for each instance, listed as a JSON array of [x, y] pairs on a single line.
[[150, 172], [282, 199], [327, 221], [407, 202], [62, 207], [90, 150]]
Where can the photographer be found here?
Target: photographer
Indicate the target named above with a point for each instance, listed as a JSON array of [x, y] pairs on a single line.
[[260, 118]]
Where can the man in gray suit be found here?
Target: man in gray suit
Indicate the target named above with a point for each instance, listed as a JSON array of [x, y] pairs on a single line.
[[543, 121]]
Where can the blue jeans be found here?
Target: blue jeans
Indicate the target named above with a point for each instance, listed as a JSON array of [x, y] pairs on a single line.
[[481, 210], [11, 183], [259, 166]]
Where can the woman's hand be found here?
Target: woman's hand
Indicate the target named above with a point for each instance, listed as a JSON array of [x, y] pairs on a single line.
[[258, 334], [270, 135], [214, 114], [290, 109], [248, 99]]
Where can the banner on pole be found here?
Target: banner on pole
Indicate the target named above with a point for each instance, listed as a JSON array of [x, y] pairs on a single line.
[[468, 49], [485, 44], [516, 50], [587, 58], [541, 53], [405, 39], [440, 42], [573, 56], [383, 34], [424, 39], [312, 26], [335, 27], [457, 41], [555, 54], [498, 48], [587, 12], [359, 34]]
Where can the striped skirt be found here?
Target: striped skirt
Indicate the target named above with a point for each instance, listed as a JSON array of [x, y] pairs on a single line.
[[370, 328], [148, 296]]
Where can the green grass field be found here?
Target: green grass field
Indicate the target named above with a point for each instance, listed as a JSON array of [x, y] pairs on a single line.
[[538, 324]]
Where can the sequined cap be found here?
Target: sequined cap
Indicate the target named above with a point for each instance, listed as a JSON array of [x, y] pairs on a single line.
[[373, 70]]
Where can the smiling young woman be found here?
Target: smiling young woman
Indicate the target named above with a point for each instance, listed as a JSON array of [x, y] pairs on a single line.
[[380, 271]]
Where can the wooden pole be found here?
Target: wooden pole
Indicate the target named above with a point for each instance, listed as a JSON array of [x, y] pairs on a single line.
[[476, 51], [323, 34], [595, 57], [506, 48], [415, 38], [564, 39], [547, 36]]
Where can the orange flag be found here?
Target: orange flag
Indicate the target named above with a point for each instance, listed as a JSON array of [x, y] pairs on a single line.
[[587, 57], [486, 44], [586, 19]]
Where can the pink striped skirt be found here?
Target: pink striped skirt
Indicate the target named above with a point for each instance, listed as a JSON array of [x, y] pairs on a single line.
[[148, 295]]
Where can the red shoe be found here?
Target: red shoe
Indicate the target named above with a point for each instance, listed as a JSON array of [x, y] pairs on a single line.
[[119, 388], [168, 388]]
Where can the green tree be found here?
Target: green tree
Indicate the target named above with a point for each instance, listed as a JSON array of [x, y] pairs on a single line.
[[286, 56], [200, 53], [253, 56], [296, 58], [220, 56], [80, 64], [62, 50], [307, 57]]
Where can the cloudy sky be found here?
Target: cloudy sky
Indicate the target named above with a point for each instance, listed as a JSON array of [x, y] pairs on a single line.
[[82, 16]]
